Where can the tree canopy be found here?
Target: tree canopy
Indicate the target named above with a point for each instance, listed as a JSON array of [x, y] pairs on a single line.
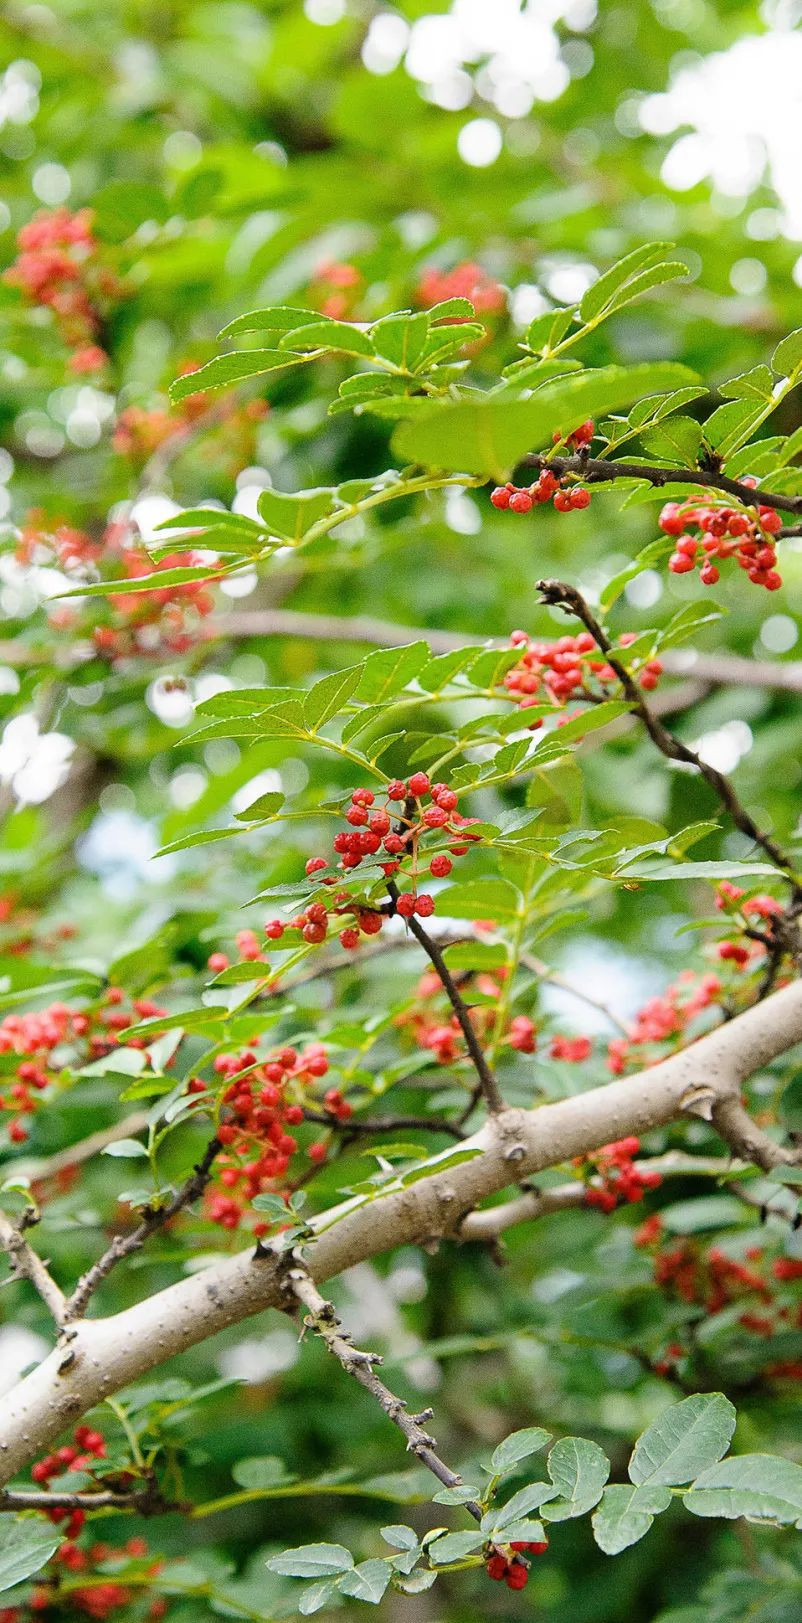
[[400, 1001]]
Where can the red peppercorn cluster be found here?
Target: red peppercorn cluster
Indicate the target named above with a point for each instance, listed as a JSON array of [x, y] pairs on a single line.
[[336, 288], [230, 441], [89, 1446], [97, 1600], [706, 1276], [259, 1104], [412, 811], [555, 672], [46, 1039], [142, 624], [567, 498], [663, 1019], [617, 1181], [58, 267], [466, 281], [721, 533], [511, 1568]]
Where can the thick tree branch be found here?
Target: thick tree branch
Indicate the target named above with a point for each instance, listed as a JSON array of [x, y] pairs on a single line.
[[321, 1317], [26, 1264], [105, 1355], [560, 594], [123, 1245], [592, 470]]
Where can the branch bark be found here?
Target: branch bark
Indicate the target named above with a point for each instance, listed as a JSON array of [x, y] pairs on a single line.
[[27, 1264], [593, 470], [107, 1354]]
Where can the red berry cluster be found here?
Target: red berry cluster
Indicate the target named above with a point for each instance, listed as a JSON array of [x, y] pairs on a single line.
[[47, 1038], [167, 619], [664, 1019], [705, 1276], [58, 267], [230, 442], [522, 498], [511, 1569], [558, 671], [617, 1180], [98, 1600], [89, 1445], [413, 810], [336, 288], [259, 1104], [466, 281], [723, 532]]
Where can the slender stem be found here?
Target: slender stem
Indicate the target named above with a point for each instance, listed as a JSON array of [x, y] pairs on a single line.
[[565, 596], [359, 1127], [494, 1098], [155, 1218], [321, 1316], [594, 469]]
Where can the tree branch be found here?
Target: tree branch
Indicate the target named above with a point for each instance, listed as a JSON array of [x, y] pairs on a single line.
[[26, 1264], [107, 1354], [494, 1099], [322, 1317], [560, 594], [123, 1245], [593, 470], [368, 1126]]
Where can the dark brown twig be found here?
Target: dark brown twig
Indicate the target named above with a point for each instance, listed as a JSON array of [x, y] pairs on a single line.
[[492, 1093], [123, 1245], [592, 470], [560, 594], [367, 1126]]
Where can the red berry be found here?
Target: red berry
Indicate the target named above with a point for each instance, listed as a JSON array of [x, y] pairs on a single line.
[[396, 790], [679, 563], [349, 939], [709, 574], [440, 866], [217, 963], [496, 1567], [317, 1152], [419, 784], [405, 906], [315, 864], [500, 497], [274, 929], [517, 1576], [580, 497], [521, 502], [314, 933]]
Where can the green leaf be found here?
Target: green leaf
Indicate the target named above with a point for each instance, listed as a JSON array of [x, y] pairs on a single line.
[[626, 1514], [316, 1596], [659, 868], [400, 1536], [155, 582], [517, 1508], [276, 318], [126, 1149], [224, 369], [263, 1471], [337, 335], [579, 1470], [616, 279], [489, 436], [758, 382], [654, 553], [676, 440], [518, 1446], [760, 1487], [787, 357], [263, 807], [290, 517], [312, 1561], [368, 1581], [687, 621], [480, 899], [389, 670], [684, 1440], [328, 696], [401, 338], [25, 1546], [453, 1546]]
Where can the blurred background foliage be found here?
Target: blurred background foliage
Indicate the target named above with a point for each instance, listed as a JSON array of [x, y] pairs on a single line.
[[229, 151]]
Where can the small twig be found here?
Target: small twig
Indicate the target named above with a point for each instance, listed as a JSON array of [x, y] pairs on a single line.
[[145, 1501], [493, 1096], [26, 1264], [560, 594], [321, 1316], [366, 1126], [554, 978], [734, 1124], [123, 1245], [594, 469]]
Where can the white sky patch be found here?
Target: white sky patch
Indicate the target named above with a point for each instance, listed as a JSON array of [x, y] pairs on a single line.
[[741, 113], [32, 763]]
